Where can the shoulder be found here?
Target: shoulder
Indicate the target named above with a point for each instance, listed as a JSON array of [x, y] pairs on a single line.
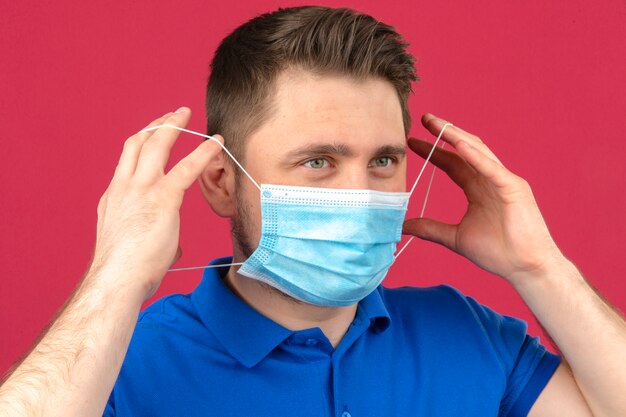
[[443, 300], [168, 338], [170, 318], [165, 330], [173, 307], [443, 308]]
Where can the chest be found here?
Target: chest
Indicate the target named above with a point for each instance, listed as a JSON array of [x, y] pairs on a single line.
[[366, 380]]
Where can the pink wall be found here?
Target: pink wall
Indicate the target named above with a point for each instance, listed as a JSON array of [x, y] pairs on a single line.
[[543, 83]]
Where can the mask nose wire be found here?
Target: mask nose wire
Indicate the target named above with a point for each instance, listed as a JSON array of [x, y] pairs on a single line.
[[430, 183], [211, 138]]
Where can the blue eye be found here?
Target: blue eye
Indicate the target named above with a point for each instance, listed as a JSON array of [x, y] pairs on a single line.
[[316, 163]]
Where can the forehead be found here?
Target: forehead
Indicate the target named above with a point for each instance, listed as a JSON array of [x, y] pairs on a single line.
[[308, 108]]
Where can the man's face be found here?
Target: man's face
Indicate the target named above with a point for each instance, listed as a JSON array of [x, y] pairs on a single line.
[[325, 131]]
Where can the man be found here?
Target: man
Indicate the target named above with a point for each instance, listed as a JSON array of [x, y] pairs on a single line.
[[313, 101]]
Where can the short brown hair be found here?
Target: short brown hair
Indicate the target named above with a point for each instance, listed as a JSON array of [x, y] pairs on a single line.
[[318, 39]]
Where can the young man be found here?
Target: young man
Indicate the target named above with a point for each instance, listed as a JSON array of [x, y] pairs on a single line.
[[313, 104]]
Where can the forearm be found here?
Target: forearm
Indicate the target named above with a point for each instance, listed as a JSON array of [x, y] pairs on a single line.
[[72, 370], [589, 333]]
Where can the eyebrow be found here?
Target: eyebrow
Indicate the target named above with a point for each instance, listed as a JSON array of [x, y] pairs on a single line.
[[341, 150], [399, 150]]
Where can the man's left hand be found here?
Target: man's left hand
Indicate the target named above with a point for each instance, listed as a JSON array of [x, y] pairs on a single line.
[[502, 230]]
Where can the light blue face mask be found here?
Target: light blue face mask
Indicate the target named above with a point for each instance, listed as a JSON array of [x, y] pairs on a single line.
[[325, 246]]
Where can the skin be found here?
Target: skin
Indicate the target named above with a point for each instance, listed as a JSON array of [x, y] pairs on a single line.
[[73, 367]]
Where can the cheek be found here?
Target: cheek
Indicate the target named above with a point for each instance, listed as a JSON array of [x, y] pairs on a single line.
[[249, 212], [394, 181], [254, 220]]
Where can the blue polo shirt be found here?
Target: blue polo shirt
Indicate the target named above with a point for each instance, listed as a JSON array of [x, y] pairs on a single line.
[[409, 352]]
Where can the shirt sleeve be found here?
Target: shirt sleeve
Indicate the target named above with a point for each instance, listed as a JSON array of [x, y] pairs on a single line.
[[527, 364]]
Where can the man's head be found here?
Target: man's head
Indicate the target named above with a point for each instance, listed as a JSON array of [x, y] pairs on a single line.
[[308, 96], [325, 41]]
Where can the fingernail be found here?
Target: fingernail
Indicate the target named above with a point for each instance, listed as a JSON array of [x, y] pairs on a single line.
[[180, 110]]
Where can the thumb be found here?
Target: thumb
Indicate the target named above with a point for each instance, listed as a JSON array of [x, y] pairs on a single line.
[[432, 230]]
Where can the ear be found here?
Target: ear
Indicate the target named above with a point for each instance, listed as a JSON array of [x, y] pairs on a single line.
[[217, 183]]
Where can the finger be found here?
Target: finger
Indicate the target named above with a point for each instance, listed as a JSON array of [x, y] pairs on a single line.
[[453, 134], [155, 151], [451, 163], [188, 169], [492, 170], [179, 253], [132, 146], [428, 117], [432, 230]]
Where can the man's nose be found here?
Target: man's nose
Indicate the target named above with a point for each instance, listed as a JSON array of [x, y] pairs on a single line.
[[355, 178]]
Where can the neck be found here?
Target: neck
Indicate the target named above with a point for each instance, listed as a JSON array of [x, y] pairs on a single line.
[[289, 312]]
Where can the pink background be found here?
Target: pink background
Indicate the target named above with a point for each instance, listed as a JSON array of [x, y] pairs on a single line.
[[543, 83]]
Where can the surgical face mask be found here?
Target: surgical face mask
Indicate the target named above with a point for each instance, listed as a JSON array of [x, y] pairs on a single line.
[[325, 246]]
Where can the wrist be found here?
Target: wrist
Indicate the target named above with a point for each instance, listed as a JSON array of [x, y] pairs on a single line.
[[557, 269], [118, 282]]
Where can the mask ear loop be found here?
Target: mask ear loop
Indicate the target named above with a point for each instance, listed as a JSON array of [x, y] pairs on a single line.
[[234, 160], [211, 138], [430, 183]]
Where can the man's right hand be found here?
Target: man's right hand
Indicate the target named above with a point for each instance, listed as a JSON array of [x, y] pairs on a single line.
[[73, 368], [138, 214]]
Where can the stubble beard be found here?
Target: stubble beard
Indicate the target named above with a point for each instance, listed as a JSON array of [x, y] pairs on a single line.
[[240, 230]]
